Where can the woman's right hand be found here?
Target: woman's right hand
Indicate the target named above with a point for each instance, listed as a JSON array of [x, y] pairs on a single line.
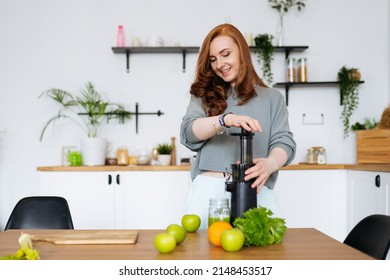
[[246, 122]]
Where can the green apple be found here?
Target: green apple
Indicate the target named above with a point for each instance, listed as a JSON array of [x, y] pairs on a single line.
[[164, 243], [190, 222], [232, 240], [177, 232]]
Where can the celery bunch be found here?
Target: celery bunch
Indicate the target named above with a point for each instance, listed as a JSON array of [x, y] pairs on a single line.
[[26, 251]]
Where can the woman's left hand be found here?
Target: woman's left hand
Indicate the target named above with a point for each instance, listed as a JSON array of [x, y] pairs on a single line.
[[261, 171]]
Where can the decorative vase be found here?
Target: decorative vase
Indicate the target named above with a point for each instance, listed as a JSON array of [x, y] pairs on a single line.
[[93, 151], [280, 31], [164, 159]]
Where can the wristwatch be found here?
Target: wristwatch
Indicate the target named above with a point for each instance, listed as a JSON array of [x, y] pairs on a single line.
[[222, 119]]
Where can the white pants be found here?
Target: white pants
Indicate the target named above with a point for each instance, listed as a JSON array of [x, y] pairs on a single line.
[[205, 187]]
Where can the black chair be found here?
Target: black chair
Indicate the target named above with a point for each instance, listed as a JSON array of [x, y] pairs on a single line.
[[40, 212], [371, 236]]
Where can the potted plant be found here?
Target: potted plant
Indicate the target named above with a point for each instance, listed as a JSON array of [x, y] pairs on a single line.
[[366, 125], [164, 153], [348, 79], [282, 6], [89, 111], [265, 50]]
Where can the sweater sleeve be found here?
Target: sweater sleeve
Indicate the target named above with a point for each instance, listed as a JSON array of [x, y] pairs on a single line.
[[187, 136], [281, 135]]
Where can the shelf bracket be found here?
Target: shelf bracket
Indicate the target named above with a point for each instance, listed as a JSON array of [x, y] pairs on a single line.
[[184, 60], [287, 89], [287, 52], [127, 61]]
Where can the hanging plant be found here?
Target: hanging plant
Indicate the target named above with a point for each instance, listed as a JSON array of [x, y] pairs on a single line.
[[265, 50], [348, 79]]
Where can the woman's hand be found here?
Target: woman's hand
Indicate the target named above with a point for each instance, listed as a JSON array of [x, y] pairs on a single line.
[[246, 122], [264, 167], [261, 171]]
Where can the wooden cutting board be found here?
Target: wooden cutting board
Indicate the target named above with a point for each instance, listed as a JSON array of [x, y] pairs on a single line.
[[89, 237]]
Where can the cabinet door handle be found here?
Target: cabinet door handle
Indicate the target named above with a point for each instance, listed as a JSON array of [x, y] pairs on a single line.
[[378, 181], [109, 179], [118, 179]]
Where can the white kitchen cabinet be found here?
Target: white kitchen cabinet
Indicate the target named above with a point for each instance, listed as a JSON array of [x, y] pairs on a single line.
[[151, 200], [120, 200], [315, 199], [89, 195], [368, 194]]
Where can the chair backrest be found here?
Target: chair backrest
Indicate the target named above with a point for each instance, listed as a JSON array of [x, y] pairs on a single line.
[[371, 236], [40, 212]]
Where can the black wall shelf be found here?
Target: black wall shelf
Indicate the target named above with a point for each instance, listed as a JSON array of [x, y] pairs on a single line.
[[288, 85], [149, 50], [286, 49], [184, 50], [192, 49]]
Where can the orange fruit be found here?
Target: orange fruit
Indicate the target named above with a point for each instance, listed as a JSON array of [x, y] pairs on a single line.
[[215, 231]]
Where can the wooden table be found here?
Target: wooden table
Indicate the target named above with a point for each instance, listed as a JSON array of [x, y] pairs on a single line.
[[298, 244]]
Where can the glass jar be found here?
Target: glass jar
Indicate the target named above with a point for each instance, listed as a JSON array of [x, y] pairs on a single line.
[[310, 156], [291, 70], [302, 70], [122, 156], [321, 156], [219, 210], [74, 158]]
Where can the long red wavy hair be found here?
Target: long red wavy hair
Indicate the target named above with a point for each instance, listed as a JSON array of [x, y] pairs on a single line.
[[211, 88]]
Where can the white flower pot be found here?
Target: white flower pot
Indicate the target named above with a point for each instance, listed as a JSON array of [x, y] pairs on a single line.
[[93, 151], [164, 159]]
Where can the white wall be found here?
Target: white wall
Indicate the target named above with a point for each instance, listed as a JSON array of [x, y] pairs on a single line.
[[51, 43]]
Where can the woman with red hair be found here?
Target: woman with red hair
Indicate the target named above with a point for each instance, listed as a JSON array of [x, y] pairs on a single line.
[[227, 95]]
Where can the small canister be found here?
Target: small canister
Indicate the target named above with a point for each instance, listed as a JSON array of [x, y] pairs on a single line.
[[302, 70], [122, 156], [291, 70], [219, 210], [310, 156], [321, 156]]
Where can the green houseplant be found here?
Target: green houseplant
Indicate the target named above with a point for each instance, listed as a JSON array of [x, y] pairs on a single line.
[[265, 51], [89, 110], [366, 125], [282, 6], [164, 149], [348, 79], [164, 153]]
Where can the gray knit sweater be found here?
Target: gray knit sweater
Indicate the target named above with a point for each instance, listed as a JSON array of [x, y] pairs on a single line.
[[219, 152]]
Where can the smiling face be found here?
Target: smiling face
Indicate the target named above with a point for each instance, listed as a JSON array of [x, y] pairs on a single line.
[[224, 58]]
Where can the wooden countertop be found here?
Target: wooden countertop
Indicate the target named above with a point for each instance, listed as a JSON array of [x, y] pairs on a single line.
[[116, 168], [363, 167], [298, 244]]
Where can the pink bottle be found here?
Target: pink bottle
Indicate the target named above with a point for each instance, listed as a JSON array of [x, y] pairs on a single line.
[[120, 39]]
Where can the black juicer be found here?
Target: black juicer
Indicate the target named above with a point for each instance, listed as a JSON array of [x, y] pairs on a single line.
[[243, 196]]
